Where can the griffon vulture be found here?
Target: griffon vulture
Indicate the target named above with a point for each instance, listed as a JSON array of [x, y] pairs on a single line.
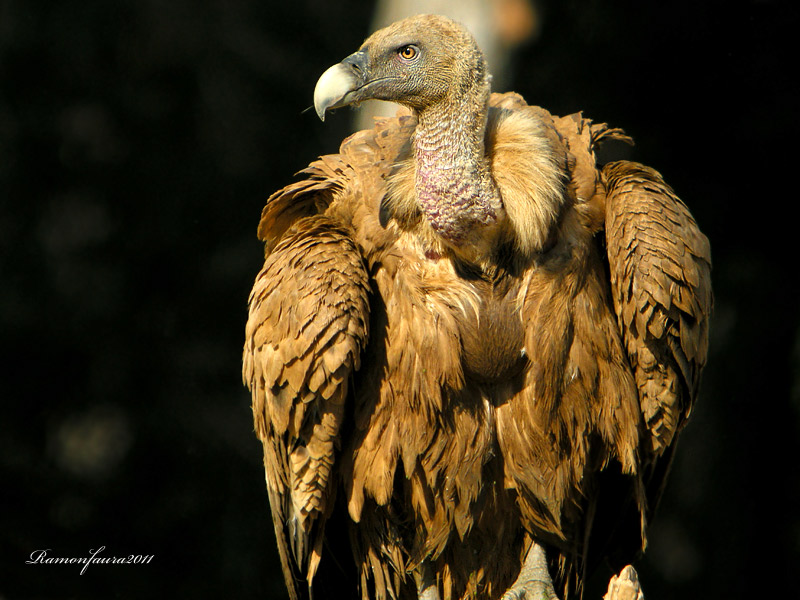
[[470, 349]]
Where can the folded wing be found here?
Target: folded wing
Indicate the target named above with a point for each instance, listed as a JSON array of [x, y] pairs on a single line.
[[307, 326]]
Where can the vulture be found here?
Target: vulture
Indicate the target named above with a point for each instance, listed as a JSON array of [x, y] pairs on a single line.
[[471, 348]]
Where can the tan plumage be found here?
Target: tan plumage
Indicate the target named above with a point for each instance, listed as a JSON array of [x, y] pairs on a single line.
[[455, 398]]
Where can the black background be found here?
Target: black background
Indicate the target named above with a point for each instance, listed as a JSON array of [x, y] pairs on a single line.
[[138, 142]]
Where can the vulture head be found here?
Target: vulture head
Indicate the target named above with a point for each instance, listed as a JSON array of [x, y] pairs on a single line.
[[419, 62], [433, 66]]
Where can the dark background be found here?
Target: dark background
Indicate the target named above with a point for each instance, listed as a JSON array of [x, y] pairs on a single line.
[[138, 142]]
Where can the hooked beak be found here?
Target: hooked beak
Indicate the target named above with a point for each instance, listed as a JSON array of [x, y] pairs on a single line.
[[338, 86]]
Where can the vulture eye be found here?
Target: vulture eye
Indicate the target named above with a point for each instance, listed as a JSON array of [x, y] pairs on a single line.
[[408, 52]]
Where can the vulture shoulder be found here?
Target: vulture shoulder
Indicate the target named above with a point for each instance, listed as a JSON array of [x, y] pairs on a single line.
[[660, 268], [308, 324]]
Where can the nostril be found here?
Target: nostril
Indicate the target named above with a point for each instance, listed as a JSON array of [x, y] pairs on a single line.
[[356, 62]]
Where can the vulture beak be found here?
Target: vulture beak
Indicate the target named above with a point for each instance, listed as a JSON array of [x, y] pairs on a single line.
[[339, 85]]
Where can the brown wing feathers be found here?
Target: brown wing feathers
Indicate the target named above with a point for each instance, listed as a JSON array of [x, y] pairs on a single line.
[[660, 266], [307, 327]]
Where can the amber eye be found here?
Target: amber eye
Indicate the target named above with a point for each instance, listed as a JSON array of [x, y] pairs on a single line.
[[408, 52]]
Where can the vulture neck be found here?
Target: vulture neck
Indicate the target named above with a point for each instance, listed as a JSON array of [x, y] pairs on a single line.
[[454, 186]]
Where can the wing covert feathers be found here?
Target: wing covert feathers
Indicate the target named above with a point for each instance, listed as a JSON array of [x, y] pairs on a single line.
[[307, 326], [660, 266]]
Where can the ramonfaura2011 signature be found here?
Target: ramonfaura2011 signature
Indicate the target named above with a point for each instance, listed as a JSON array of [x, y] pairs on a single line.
[[40, 557]]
